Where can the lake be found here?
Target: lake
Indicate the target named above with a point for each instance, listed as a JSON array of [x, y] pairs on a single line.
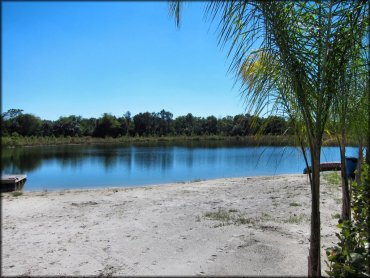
[[97, 166]]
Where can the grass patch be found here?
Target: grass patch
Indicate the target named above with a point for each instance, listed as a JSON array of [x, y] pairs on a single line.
[[220, 215], [240, 220], [220, 225], [294, 205], [335, 216], [332, 179], [227, 217], [44, 192], [230, 217], [266, 217], [295, 219], [17, 193], [196, 180]]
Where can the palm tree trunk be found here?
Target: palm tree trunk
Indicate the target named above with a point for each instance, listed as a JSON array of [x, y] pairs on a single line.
[[314, 259], [359, 162], [346, 204]]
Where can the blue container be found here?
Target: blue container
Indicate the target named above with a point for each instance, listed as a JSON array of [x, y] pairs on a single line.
[[351, 165]]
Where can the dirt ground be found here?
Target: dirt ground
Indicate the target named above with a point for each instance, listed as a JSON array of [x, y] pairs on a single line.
[[233, 226]]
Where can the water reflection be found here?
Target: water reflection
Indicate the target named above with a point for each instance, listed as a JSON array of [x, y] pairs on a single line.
[[125, 159], [153, 157], [61, 167], [189, 157]]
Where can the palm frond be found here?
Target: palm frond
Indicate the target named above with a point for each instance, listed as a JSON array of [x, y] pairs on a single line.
[[175, 11]]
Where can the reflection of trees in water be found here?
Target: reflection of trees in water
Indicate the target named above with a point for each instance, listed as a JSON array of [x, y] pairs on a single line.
[[158, 155], [20, 160], [193, 143], [167, 159], [68, 158], [151, 158], [109, 159], [189, 158], [25, 160], [125, 159]]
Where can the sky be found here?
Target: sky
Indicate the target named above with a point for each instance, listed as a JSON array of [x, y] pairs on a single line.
[[90, 58]]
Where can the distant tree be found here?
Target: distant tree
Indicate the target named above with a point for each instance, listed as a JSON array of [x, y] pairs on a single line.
[[127, 116], [140, 124], [47, 128], [88, 126], [189, 121], [275, 125], [107, 125], [165, 122], [225, 125], [27, 125], [8, 124], [184, 125], [180, 125], [12, 113], [131, 128], [124, 124], [210, 125], [143, 123], [68, 126], [242, 125]]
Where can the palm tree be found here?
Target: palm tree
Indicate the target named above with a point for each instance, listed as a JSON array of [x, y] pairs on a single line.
[[302, 48], [348, 115]]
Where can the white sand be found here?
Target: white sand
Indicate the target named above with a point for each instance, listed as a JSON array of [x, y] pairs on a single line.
[[164, 230]]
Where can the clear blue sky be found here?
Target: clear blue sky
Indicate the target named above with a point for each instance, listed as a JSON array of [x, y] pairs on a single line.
[[87, 58]]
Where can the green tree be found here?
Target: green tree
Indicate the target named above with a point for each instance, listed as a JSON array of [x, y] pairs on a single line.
[[242, 125], [47, 128], [225, 125], [210, 125], [68, 126], [12, 113], [87, 126], [107, 125], [8, 124], [345, 116], [27, 125], [275, 125], [185, 125], [165, 124]]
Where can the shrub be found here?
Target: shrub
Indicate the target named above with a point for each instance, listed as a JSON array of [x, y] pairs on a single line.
[[349, 256]]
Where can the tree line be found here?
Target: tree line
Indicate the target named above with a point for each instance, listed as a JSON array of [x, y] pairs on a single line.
[[15, 122]]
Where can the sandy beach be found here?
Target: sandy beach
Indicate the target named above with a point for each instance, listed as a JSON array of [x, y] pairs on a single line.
[[233, 226]]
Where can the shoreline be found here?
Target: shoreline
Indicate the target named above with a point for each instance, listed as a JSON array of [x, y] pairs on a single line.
[[130, 187], [231, 226]]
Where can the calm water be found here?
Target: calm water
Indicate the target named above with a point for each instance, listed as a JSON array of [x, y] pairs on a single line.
[[71, 167]]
